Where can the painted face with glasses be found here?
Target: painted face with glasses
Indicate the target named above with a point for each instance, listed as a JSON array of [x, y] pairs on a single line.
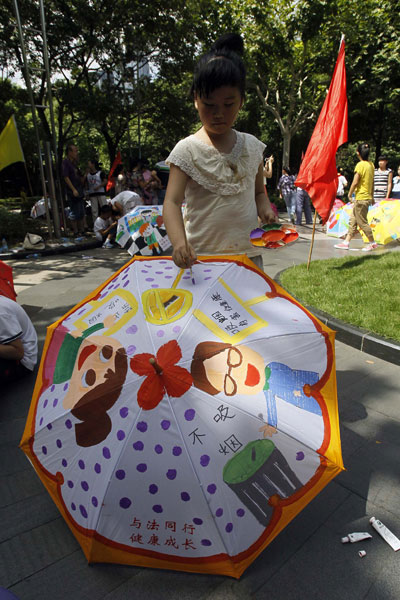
[[236, 370]]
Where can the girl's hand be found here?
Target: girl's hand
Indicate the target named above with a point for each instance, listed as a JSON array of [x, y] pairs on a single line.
[[184, 256], [267, 215]]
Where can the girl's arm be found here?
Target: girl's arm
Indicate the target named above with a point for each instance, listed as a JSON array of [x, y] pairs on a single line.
[[354, 184], [390, 184], [264, 210], [183, 253]]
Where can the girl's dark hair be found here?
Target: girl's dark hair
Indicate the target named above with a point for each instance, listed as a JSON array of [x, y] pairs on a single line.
[[287, 169], [363, 150], [222, 65]]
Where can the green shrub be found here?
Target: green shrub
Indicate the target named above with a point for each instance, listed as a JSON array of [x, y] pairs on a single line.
[[14, 225]]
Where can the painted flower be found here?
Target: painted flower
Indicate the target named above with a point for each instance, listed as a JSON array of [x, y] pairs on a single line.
[[163, 376]]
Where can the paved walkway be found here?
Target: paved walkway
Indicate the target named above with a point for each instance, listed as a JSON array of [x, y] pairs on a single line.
[[40, 559]]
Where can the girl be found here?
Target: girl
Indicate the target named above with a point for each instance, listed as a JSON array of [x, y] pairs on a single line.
[[218, 171], [363, 185]]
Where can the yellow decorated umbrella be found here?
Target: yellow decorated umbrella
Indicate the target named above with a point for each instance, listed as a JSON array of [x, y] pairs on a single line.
[[182, 426], [384, 219]]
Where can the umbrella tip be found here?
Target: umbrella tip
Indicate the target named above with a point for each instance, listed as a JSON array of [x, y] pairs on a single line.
[[156, 366]]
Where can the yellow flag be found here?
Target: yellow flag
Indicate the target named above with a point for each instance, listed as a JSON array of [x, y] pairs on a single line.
[[10, 146]]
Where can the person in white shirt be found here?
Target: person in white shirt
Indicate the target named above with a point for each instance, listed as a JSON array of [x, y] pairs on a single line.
[[105, 227], [125, 201], [342, 182], [18, 341], [96, 181]]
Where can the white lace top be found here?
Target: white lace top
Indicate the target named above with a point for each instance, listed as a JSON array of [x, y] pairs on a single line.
[[220, 195]]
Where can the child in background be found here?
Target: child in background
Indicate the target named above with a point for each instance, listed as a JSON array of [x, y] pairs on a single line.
[[218, 171], [105, 227], [363, 185]]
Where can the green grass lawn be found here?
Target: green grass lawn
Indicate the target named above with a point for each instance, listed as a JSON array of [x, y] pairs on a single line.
[[361, 290]]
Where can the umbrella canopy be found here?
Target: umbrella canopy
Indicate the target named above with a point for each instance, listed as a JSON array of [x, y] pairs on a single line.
[[7, 281], [142, 231], [337, 224], [384, 219], [183, 426]]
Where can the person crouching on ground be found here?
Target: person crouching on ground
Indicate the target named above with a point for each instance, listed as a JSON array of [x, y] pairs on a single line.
[[18, 341], [105, 227], [363, 185]]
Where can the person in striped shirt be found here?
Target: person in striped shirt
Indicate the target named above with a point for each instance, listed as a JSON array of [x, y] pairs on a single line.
[[383, 178]]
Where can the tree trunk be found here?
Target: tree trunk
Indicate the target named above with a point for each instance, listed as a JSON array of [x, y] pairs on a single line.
[[286, 134]]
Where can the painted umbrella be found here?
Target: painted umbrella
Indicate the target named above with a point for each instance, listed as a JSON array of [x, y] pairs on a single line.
[[184, 426], [384, 219], [142, 231], [337, 224]]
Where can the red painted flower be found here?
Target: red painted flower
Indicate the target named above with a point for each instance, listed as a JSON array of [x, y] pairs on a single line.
[[163, 376]]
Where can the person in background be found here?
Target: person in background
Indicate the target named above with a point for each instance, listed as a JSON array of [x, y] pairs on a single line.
[[383, 178], [342, 183], [18, 341], [74, 189], [287, 191], [363, 186], [120, 184], [96, 181], [162, 171], [125, 201], [303, 204], [105, 226], [396, 186]]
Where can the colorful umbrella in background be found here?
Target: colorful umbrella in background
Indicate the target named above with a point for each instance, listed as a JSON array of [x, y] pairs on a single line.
[[338, 220], [142, 231], [183, 426], [384, 219]]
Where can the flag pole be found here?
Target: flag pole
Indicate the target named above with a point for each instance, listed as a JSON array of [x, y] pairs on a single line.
[[312, 240]]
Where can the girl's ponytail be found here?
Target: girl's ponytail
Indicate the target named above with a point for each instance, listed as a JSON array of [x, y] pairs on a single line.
[[221, 66]]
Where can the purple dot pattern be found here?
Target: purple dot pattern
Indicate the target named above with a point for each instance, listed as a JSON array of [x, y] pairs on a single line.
[[120, 435], [142, 426], [190, 414], [158, 449], [212, 488], [106, 452], [165, 424], [205, 460], [141, 467], [138, 446], [125, 502]]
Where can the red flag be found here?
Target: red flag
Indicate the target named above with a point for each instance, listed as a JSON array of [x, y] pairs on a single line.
[[117, 161], [318, 173]]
